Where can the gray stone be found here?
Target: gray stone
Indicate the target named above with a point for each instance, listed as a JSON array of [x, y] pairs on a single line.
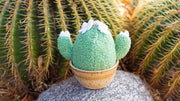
[[124, 87]]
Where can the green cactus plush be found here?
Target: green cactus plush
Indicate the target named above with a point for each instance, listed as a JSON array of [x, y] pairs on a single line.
[[123, 43], [94, 48], [65, 44]]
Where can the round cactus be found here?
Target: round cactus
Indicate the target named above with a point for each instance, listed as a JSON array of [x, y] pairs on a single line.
[[156, 45], [94, 48], [28, 36], [28, 30]]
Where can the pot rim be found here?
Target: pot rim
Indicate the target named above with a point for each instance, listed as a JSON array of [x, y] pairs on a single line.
[[85, 71]]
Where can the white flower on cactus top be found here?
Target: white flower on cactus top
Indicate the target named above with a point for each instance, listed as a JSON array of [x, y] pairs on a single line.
[[86, 26], [64, 34], [125, 33], [101, 26]]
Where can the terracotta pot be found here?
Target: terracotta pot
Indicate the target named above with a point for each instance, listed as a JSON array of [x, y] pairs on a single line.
[[94, 79]]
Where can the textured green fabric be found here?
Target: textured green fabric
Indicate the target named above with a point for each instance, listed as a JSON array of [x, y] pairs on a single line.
[[94, 50], [123, 44], [65, 47]]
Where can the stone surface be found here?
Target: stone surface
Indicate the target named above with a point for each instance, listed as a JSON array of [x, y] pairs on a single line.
[[124, 87]]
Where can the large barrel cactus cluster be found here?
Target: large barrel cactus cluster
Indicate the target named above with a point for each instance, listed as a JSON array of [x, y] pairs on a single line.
[[155, 50], [29, 30]]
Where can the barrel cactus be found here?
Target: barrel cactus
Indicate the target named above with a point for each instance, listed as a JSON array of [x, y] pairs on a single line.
[[29, 30], [94, 48], [156, 45]]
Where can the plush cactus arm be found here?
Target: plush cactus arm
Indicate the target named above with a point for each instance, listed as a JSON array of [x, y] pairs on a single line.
[[123, 44], [65, 44]]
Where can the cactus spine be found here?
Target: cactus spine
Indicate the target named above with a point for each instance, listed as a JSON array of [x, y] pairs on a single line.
[[156, 44]]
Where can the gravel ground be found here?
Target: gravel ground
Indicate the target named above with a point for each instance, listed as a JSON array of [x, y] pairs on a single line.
[[124, 87]]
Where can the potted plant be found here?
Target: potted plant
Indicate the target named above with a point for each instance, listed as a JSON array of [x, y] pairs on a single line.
[[94, 55]]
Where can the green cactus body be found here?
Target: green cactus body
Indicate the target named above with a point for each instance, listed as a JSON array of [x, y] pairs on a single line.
[[94, 50], [48, 38], [156, 44], [3, 50], [20, 50], [29, 30], [33, 36], [14, 41]]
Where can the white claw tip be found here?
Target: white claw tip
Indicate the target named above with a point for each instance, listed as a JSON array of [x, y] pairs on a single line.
[[125, 33], [64, 34]]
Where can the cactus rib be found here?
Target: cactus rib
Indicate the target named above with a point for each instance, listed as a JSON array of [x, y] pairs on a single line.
[[3, 20], [164, 63], [47, 34], [84, 5], [92, 7], [14, 42], [32, 37], [77, 19], [61, 16]]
